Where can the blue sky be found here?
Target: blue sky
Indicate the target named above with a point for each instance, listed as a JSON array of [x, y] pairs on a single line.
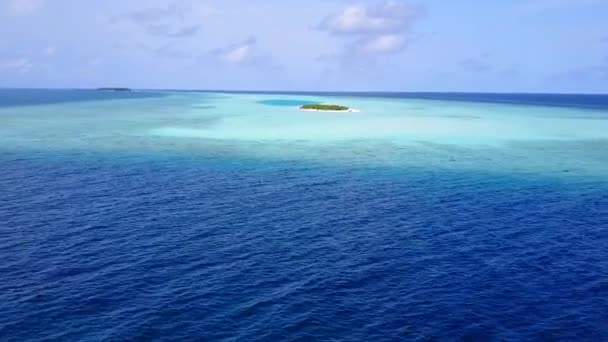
[[394, 45]]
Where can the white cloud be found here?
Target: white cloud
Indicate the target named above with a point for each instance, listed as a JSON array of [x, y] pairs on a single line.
[[239, 54], [374, 29], [24, 7], [178, 19], [386, 43], [246, 54], [20, 65], [361, 19]]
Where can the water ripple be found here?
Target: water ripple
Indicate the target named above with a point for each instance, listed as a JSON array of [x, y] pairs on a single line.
[[123, 249]]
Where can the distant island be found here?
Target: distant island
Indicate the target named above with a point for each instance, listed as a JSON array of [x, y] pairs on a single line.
[[326, 108], [113, 89]]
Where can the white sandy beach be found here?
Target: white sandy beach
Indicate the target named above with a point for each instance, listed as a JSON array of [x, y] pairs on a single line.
[[350, 110]]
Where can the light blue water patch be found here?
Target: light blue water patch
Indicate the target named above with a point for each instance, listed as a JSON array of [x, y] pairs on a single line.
[[391, 132], [286, 102]]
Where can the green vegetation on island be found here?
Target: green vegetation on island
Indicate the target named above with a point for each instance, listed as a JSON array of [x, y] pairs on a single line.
[[319, 106]]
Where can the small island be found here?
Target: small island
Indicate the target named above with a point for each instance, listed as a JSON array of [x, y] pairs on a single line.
[[319, 107]]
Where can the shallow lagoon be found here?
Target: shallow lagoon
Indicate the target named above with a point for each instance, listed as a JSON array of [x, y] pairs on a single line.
[[395, 132]]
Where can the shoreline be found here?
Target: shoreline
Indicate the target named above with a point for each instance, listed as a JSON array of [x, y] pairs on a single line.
[[350, 110]]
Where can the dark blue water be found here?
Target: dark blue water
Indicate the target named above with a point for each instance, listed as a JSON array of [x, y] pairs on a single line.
[[166, 247], [132, 248], [20, 97]]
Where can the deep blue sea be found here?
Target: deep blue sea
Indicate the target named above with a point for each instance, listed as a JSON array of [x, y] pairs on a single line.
[[110, 231]]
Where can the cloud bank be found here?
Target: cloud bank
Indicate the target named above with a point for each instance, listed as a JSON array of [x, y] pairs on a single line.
[[20, 65], [241, 53], [374, 29], [173, 21], [245, 53]]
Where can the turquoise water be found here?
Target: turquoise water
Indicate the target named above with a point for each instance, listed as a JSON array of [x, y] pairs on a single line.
[[395, 132], [177, 216]]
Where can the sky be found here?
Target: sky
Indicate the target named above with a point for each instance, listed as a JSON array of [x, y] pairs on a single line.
[[316, 45]]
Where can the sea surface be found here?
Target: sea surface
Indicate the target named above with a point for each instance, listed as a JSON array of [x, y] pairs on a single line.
[[217, 216]]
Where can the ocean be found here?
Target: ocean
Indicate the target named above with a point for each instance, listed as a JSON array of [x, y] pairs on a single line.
[[233, 216]]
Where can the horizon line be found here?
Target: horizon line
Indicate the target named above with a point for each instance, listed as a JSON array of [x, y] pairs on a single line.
[[309, 91]]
